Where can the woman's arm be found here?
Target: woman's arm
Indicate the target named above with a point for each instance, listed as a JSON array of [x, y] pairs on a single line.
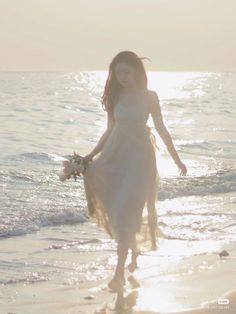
[[156, 114], [103, 139]]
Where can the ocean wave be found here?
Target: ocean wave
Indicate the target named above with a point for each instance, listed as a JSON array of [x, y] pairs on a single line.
[[31, 278], [35, 156], [221, 181], [225, 149], [36, 198], [25, 225]]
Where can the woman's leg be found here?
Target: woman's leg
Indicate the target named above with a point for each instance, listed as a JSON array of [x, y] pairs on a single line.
[[122, 252], [135, 252], [152, 215], [118, 280]]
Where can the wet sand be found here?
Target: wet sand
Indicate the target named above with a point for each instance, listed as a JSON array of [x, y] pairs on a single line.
[[190, 285]]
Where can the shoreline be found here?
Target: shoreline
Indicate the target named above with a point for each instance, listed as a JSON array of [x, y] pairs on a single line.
[[170, 283]]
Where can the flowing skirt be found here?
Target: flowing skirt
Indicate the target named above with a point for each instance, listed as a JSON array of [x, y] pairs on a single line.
[[121, 181]]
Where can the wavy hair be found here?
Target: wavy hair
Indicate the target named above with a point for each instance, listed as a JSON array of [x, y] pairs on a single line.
[[113, 87]]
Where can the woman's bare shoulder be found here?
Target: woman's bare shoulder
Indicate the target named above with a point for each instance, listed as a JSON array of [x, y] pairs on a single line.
[[153, 99], [152, 93]]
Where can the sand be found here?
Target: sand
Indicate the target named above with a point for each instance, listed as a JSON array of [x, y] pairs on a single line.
[[190, 285]]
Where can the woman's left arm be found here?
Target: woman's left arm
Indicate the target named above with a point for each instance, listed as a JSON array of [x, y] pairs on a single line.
[[156, 114]]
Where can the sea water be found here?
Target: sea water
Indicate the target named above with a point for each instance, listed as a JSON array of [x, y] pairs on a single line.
[[46, 116]]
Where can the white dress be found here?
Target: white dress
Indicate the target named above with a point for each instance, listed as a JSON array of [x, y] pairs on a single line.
[[123, 178]]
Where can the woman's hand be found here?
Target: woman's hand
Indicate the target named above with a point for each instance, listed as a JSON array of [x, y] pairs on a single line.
[[182, 169], [88, 157]]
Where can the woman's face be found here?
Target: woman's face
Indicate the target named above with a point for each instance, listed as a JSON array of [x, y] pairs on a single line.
[[125, 75]]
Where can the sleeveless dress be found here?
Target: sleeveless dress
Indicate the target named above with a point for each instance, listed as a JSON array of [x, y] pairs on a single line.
[[123, 178]]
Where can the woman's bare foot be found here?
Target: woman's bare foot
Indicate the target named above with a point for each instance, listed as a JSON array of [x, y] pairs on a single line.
[[117, 283], [134, 282], [133, 265]]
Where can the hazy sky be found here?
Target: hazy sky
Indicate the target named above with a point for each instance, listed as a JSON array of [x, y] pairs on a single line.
[[177, 35]]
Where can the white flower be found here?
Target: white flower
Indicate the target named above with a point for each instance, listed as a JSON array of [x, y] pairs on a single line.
[[75, 166], [63, 176]]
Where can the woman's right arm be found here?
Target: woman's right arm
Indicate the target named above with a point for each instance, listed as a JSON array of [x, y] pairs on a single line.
[[102, 140]]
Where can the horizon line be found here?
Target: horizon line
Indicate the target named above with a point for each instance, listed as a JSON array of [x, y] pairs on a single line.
[[162, 71]]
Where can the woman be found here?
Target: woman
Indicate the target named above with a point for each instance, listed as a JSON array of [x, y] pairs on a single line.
[[123, 178]]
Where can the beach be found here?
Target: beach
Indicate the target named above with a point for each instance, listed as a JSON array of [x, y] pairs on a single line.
[[170, 282], [53, 259]]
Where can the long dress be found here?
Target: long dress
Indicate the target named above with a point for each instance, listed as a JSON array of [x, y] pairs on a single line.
[[123, 178]]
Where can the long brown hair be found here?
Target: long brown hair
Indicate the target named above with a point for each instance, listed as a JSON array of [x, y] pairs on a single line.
[[113, 87]]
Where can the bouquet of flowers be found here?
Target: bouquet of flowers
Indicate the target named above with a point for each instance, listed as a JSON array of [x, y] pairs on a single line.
[[74, 166]]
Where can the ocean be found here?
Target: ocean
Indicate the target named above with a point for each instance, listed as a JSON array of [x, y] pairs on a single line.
[[46, 116]]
